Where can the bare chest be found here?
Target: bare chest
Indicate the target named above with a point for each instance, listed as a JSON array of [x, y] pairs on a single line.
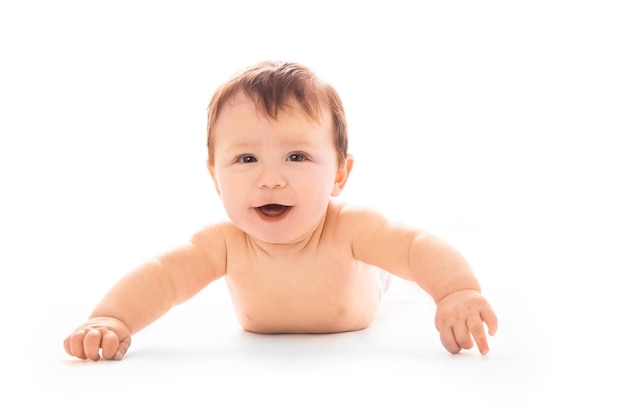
[[300, 293]]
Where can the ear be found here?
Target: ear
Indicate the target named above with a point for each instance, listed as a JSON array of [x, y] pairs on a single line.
[[342, 175], [212, 173]]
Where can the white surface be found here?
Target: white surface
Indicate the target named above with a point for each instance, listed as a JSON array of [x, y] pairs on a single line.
[[498, 127]]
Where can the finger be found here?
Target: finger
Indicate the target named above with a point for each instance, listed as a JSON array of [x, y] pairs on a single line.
[[110, 344], [490, 318], [91, 344], [462, 336], [447, 339], [123, 348], [477, 329], [66, 346], [75, 344]]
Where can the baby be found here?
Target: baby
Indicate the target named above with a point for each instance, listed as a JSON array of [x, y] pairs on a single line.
[[294, 259]]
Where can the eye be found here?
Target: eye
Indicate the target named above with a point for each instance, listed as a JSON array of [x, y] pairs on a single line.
[[297, 156], [246, 159]]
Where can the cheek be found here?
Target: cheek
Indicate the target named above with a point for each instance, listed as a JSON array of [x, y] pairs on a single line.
[[217, 187], [227, 190], [232, 203], [320, 184]]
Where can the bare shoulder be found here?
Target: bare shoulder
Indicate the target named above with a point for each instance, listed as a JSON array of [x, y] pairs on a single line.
[[356, 218], [213, 238], [374, 238], [349, 211], [355, 224]]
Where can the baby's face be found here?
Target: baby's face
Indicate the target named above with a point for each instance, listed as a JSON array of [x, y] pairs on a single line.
[[274, 177]]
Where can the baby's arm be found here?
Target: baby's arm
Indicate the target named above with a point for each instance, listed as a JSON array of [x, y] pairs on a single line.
[[437, 268], [461, 308], [146, 293]]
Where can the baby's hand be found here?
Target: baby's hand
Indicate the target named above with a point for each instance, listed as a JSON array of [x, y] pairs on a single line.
[[109, 334], [459, 319]]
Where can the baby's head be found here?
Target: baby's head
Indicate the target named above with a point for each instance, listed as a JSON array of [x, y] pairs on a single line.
[[273, 85]]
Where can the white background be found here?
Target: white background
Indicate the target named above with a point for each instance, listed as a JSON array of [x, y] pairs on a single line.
[[497, 125]]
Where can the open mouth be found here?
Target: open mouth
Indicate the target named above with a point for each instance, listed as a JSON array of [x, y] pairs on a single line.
[[273, 211]]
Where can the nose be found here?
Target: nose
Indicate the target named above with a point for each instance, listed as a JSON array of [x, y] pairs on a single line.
[[271, 178]]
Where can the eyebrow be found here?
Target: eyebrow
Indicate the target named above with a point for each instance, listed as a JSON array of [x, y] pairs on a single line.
[[289, 143]]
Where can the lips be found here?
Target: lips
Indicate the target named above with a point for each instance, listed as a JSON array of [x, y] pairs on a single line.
[[272, 211]]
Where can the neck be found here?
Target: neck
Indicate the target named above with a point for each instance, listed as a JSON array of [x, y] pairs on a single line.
[[297, 246]]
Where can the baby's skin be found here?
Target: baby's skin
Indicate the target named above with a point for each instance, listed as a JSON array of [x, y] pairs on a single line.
[[294, 259]]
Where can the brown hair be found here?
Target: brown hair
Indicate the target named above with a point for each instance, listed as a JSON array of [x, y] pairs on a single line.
[[272, 84]]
